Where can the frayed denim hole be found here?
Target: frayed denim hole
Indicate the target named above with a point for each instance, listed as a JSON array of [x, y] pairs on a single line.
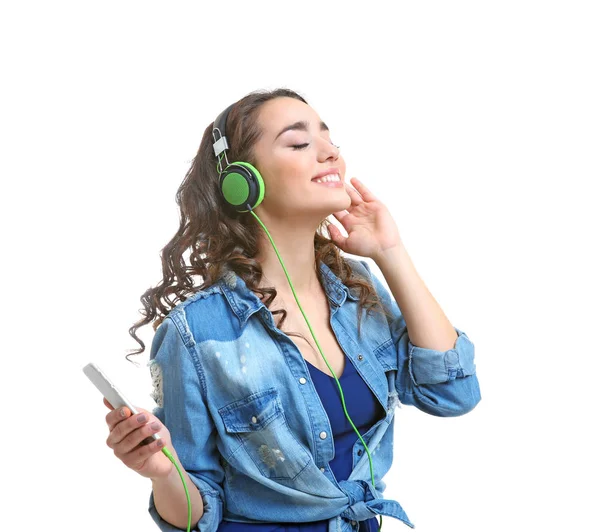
[[157, 383]]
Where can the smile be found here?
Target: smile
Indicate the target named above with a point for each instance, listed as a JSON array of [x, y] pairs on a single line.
[[331, 180]]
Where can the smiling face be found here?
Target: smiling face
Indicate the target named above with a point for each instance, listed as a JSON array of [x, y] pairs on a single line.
[[295, 147]]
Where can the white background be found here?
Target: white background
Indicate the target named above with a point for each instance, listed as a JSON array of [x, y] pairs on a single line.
[[477, 124]]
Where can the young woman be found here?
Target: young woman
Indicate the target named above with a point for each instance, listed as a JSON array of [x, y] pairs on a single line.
[[253, 413]]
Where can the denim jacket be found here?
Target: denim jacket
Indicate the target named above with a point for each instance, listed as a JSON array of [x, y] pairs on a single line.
[[248, 425]]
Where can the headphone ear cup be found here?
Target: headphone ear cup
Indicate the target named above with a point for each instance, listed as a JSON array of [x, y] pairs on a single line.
[[241, 185]]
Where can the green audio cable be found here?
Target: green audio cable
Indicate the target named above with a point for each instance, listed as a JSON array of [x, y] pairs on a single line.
[[168, 454], [321, 351]]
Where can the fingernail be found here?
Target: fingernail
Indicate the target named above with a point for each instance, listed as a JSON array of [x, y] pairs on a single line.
[[141, 418], [122, 412], [155, 425]]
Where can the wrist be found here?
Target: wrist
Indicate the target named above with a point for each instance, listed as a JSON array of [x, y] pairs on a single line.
[[389, 255], [172, 471]]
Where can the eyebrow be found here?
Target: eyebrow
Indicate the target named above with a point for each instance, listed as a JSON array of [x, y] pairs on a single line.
[[301, 125]]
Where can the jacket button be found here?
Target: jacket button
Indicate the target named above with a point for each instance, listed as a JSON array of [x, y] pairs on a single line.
[[353, 523], [360, 357], [302, 380], [323, 435], [254, 419], [359, 452], [322, 469]]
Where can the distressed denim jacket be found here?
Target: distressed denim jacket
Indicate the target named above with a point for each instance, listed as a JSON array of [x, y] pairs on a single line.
[[248, 425]]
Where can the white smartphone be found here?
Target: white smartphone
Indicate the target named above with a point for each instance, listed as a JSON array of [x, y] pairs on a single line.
[[112, 394]]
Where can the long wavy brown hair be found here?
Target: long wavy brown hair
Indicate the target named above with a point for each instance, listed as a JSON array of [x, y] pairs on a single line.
[[220, 240]]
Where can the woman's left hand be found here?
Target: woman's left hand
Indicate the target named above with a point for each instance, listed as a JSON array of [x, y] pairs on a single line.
[[370, 227]]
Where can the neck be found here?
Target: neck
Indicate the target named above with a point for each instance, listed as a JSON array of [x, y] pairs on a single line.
[[296, 247]]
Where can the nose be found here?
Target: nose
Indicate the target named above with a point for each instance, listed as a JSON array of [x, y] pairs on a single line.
[[329, 151]]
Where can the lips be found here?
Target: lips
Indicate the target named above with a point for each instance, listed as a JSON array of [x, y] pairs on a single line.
[[330, 180], [327, 172]]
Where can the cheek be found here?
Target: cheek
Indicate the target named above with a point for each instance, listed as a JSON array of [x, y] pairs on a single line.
[[289, 169], [342, 166]]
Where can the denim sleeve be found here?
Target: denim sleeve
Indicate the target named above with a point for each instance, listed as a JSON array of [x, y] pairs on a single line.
[[181, 408], [440, 383]]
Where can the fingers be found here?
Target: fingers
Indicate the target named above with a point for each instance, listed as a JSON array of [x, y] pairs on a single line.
[[332, 230], [355, 197], [141, 437], [340, 215], [115, 416], [137, 458], [366, 194], [127, 434]]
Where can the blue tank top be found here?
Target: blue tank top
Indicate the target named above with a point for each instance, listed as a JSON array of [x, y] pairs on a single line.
[[365, 411]]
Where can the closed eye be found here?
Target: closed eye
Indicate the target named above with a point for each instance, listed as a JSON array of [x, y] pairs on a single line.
[[302, 146]]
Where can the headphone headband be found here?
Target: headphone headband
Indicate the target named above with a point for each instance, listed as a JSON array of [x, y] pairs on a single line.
[[219, 132]]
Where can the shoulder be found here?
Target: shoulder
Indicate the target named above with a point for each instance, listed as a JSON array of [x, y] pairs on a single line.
[[360, 267], [201, 315], [201, 299]]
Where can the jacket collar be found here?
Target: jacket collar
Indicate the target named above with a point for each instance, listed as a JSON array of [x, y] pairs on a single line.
[[244, 302]]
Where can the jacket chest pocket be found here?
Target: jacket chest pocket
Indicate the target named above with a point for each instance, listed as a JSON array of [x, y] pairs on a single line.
[[259, 424], [387, 355]]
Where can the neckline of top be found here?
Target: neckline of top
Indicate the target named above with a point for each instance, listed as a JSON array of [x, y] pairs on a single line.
[[315, 368]]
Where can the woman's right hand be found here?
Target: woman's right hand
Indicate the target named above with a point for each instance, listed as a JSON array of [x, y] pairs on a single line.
[[127, 440]]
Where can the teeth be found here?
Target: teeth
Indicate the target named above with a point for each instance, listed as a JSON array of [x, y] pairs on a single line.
[[328, 178]]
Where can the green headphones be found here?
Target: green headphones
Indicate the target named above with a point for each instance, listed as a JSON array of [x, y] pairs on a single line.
[[240, 183]]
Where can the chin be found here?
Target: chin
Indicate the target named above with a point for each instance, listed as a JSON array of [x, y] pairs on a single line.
[[336, 206], [346, 203]]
